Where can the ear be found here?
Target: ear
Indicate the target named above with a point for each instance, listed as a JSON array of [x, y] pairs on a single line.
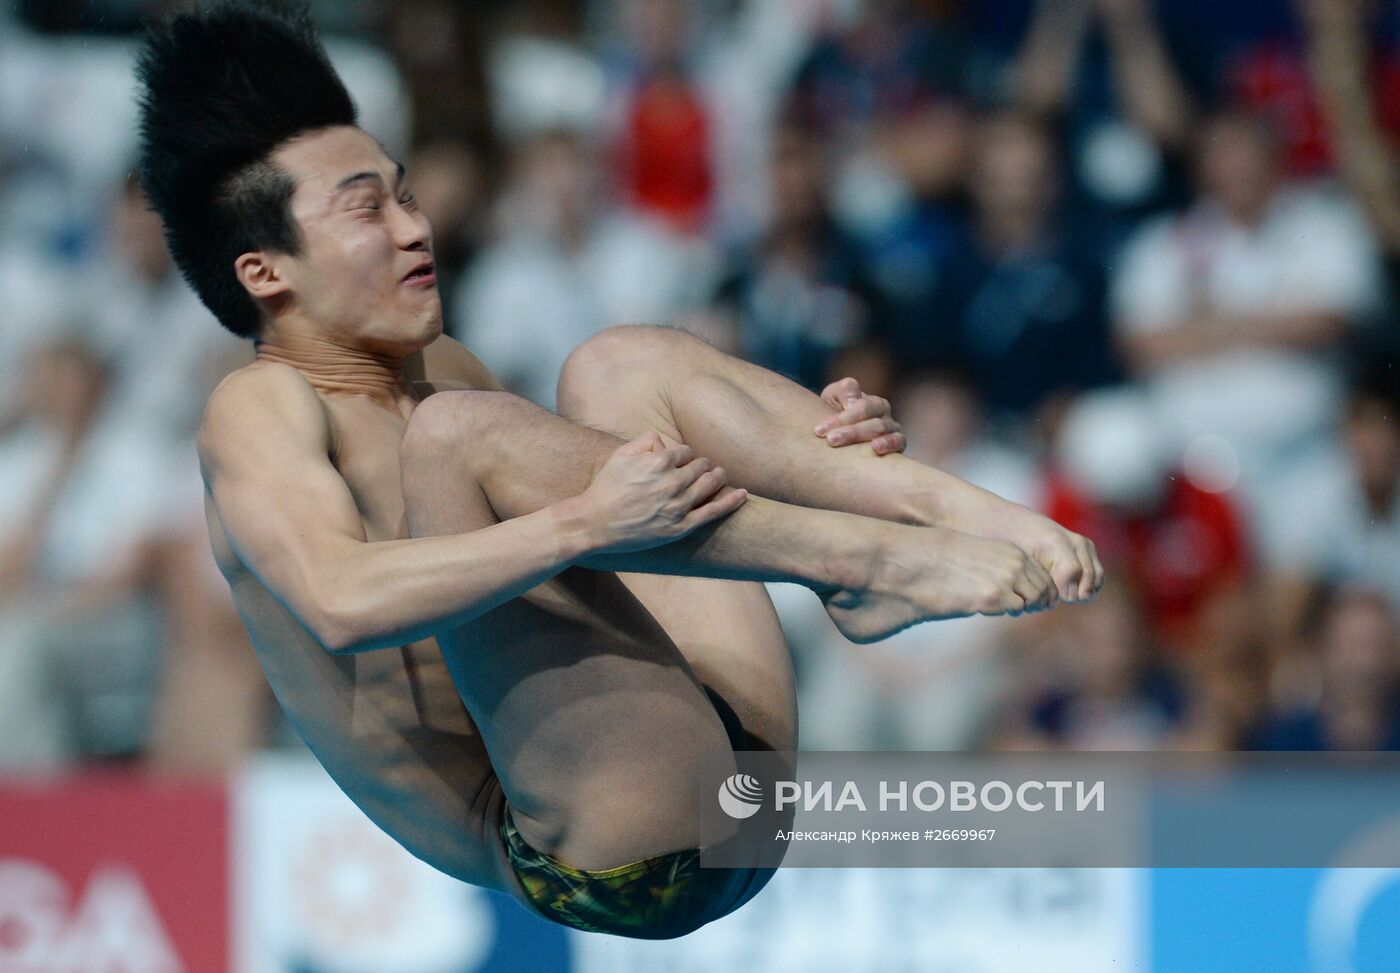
[[260, 275]]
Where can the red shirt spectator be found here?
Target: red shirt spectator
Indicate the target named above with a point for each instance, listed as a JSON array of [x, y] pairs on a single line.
[[1176, 556], [1272, 78], [666, 151]]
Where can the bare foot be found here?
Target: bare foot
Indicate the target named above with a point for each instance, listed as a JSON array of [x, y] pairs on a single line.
[[1070, 558], [921, 574]]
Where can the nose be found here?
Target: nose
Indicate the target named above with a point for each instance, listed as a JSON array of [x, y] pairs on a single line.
[[411, 229]]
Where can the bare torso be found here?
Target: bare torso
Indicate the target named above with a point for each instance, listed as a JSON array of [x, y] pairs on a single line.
[[387, 725]]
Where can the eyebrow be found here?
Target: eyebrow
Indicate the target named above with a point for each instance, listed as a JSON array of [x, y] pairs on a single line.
[[367, 176]]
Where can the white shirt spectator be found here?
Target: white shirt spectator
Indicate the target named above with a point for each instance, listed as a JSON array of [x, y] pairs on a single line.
[[1274, 408], [528, 303], [1344, 540]]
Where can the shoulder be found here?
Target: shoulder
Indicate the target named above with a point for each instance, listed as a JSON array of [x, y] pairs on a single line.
[[264, 400], [446, 363]]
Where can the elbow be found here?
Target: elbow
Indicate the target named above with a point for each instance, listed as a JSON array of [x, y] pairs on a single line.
[[337, 624], [335, 635]]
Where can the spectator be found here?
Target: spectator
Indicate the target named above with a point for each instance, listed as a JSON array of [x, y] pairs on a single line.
[[1125, 109], [907, 245], [118, 583], [1357, 706], [1233, 313], [1021, 305], [542, 77], [440, 50], [449, 180], [800, 296], [1338, 40], [664, 145], [566, 266], [1102, 687], [896, 56], [1182, 547], [1355, 527]]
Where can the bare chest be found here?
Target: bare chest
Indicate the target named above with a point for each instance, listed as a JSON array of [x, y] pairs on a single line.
[[366, 454]]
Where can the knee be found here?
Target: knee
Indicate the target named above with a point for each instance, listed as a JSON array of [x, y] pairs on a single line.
[[444, 422], [615, 359]]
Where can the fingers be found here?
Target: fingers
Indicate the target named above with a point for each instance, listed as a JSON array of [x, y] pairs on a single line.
[[679, 455], [892, 443], [866, 407], [647, 442], [700, 480], [841, 393], [862, 419], [724, 503], [864, 431]]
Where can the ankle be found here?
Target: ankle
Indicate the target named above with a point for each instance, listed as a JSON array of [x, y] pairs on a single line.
[[865, 566], [934, 502], [845, 563]]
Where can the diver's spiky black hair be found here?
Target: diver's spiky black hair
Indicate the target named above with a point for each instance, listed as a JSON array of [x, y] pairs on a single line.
[[222, 87]]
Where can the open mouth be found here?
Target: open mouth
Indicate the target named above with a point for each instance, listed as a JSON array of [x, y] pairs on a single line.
[[421, 275]]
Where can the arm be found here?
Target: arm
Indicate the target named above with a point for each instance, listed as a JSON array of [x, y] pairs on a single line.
[[292, 521], [264, 450], [1184, 340], [1337, 44], [1044, 70], [1152, 91]]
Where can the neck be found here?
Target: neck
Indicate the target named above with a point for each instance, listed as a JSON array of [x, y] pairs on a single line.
[[332, 367]]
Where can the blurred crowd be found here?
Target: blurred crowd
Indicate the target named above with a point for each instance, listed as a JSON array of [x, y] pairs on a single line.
[[1133, 264]]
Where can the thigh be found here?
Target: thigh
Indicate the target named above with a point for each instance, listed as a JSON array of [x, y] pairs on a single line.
[[728, 631], [599, 732], [729, 634]]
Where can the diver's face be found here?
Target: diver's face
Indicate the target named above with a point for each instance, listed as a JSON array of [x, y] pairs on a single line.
[[365, 268]]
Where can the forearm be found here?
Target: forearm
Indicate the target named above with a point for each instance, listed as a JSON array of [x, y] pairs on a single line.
[[1046, 64], [764, 540], [537, 478], [1336, 47], [389, 593], [1186, 340], [1153, 93]]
